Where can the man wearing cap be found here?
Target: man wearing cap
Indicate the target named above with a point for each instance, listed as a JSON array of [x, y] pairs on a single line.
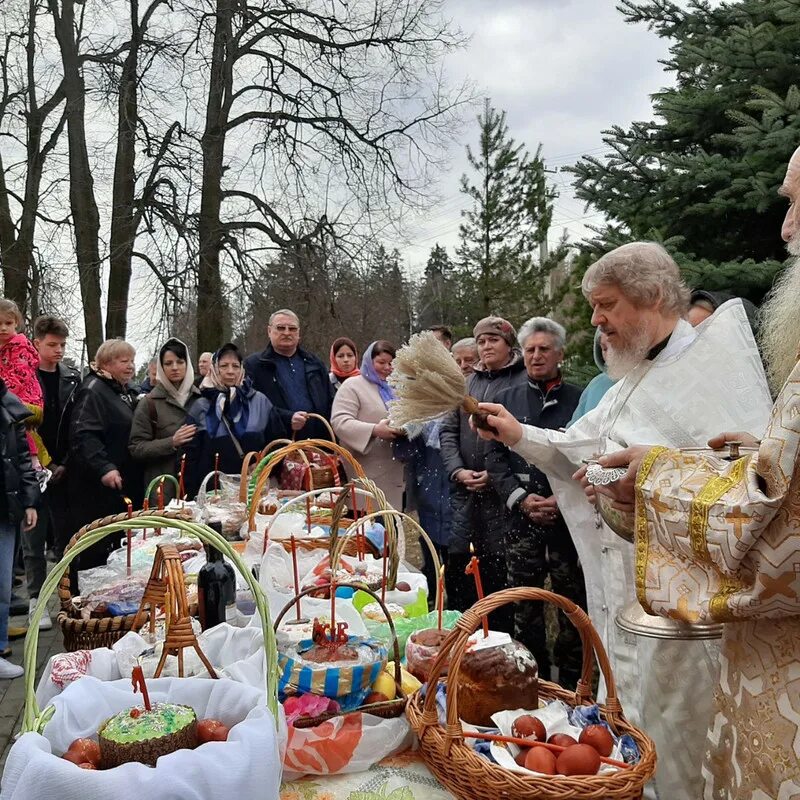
[[479, 515]]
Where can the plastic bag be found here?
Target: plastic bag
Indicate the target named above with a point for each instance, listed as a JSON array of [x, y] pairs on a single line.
[[218, 500], [352, 743], [247, 765]]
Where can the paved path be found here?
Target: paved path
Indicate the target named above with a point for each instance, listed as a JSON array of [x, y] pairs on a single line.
[[12, 693]]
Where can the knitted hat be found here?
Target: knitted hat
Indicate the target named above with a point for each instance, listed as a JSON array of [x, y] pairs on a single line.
[[498, 327]]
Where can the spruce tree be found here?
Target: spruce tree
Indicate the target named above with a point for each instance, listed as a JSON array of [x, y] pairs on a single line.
[[702, 175], [511, 210]]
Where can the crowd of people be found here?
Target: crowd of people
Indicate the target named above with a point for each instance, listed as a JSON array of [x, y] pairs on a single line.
[[676, 368]]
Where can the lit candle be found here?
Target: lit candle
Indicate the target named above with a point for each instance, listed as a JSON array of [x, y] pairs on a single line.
[[440, 599], [160, 495], [216, 472], [296, 575], [473, 568], [129, 503], [181, 485], [137, 679]]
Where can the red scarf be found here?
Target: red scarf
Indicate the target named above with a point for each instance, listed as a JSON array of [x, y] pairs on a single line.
[[341, 342]]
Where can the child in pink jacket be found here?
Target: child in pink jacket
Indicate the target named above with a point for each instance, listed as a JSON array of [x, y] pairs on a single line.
[[18, 363]]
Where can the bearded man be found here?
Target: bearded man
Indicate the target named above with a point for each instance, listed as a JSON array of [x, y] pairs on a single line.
[[676, 383], [720, 542]]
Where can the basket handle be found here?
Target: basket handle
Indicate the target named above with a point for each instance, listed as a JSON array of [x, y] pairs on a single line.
[[455, 644], [294, 447], [323, 421], [395, 644], [158, 479], [246, 462], [389, 512], [33, 718]]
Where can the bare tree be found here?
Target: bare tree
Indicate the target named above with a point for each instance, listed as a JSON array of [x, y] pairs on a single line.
[[334, 95], [19, 94]]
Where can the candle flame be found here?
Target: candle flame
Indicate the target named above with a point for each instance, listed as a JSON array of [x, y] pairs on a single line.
[[441, 571], [128, 501], [471, 549]]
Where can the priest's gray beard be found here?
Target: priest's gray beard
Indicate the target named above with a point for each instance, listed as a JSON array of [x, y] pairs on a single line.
[[780, 331], [621, 360]]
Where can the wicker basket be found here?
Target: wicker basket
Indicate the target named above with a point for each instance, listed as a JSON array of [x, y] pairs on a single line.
[[387, 709], [33, 718], [89, 634], [266, 466], [472, 777]]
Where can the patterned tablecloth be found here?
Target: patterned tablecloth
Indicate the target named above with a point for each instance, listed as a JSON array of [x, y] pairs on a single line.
[[400, 777]]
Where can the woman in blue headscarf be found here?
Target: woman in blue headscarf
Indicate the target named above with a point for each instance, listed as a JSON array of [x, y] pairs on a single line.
[[232, 418], [360, 420]]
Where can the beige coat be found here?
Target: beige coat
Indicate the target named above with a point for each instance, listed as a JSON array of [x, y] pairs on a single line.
[[357, 407]]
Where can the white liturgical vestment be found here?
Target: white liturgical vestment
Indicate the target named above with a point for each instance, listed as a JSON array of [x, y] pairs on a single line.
[[705, 381]]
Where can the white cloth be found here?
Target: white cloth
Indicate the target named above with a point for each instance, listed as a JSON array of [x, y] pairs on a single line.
[[704, 382], [247, 765]]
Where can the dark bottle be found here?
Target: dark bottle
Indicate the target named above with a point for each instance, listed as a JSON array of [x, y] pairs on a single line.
[[216, 586]]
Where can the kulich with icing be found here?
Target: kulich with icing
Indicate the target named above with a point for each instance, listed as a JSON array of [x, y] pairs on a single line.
[[137, 734]]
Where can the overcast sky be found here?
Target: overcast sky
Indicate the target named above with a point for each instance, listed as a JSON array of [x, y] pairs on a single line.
[[563, 70]]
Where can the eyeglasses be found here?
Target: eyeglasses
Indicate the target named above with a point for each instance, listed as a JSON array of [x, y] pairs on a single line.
[[285, 328]]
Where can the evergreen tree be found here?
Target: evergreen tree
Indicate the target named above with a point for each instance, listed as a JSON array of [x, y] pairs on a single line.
[[436, 296], [702, 175], [511, 211]]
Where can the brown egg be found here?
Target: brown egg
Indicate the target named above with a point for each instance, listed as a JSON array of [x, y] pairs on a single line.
[[84, 750], [580, 759], [541, 760], [599, 737], [522, 755], [562, 740], [403, 586], [528, 726]]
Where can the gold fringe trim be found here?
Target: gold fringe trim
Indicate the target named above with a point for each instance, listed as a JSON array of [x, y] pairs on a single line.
[[641, 540], [715, 487]]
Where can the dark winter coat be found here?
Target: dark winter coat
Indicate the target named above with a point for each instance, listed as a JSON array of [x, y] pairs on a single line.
[[263, 371], [511, 475], [100, 428], [478, 517], [157, 417], [19, 479], [68, 381], [212, 435]]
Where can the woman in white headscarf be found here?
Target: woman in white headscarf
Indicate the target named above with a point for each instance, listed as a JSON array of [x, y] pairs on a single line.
[[231, 418], [159, 427]]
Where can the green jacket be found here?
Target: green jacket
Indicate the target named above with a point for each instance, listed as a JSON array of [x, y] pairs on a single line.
[[155, 420]]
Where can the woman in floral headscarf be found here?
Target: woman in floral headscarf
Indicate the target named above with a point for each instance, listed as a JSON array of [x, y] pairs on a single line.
[[232, 418], [360, 419]]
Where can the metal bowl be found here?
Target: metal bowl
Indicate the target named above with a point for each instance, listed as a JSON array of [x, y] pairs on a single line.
[[623, 523]]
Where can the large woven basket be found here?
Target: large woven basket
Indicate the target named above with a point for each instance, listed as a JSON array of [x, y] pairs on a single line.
[[472, 777], [88, 634], [34, 719]]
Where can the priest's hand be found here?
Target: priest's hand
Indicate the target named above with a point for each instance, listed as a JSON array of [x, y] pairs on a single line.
[[622, 492], [721, 439], [507, 429]]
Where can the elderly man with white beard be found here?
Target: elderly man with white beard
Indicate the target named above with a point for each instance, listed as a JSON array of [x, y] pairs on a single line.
[[677, 385], [720, 542]]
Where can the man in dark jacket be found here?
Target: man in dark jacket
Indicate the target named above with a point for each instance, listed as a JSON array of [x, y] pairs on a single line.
[[538, 541], [295, 381], [479, 517], [19, 496]]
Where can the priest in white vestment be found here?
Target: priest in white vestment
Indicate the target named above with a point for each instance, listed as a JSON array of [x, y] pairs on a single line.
[[720, 542], [677, 386]]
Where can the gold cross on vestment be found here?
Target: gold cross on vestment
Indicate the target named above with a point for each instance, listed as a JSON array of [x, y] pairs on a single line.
[[682, 613], [780, 585], [738, 519]]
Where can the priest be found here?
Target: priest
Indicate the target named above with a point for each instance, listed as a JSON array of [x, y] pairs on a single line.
[[676, 385], [719, 541]]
